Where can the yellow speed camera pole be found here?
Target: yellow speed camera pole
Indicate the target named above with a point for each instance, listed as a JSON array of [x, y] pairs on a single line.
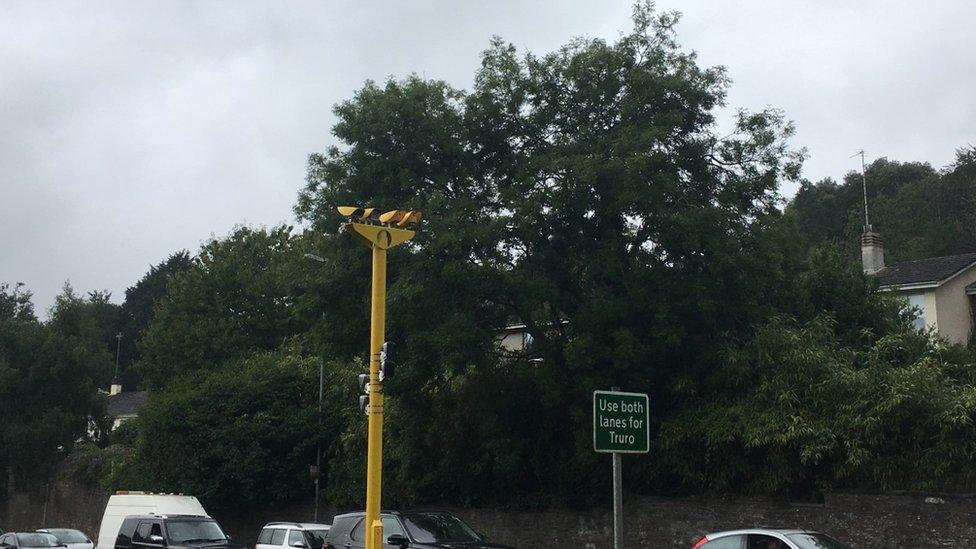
[[379, 234]]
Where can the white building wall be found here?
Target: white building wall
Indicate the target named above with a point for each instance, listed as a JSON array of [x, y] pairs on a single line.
[[954, 316]]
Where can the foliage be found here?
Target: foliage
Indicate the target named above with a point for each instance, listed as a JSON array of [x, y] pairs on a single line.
[[139, 308], [920, 212], [232, 301], [800, 408], [239, 434], [49, 375], [15, 304]]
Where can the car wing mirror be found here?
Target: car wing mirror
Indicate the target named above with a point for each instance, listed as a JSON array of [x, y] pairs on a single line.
[[398, 540]]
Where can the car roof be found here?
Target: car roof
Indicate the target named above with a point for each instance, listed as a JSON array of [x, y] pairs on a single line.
[[761, 530], [168, 516], [302, 525], [391, 512]]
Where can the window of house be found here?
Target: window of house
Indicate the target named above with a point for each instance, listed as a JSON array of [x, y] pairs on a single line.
[[916, 302]]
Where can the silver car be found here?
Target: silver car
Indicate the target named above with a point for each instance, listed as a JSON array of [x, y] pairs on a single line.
[[769, 538], [73, 539]]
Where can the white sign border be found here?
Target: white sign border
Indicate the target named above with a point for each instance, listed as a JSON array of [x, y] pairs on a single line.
[[647, 420]]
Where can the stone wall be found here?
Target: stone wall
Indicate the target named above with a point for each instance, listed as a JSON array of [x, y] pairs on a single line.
[[864, 521]]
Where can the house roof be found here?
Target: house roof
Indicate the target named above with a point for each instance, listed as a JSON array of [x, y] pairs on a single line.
[[925, 271], [126, 404]]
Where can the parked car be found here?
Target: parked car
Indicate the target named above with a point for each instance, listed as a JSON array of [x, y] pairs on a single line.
[[408, 529], [124, 503], [72, 539], [25, 540], [305, 535], [172, 532], [769, 538]]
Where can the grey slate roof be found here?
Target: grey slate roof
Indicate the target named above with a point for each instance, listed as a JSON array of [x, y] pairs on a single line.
[[931, 270], [126, 404]]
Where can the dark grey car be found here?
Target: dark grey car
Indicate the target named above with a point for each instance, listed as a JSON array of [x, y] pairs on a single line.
[[408, 530]]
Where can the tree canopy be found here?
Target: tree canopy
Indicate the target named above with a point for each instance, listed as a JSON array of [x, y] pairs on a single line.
[[919, 211]]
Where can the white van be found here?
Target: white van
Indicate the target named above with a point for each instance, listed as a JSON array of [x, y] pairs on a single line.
[[124, 503]]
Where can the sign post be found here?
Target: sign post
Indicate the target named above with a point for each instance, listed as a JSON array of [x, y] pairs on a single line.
[[620, 426]]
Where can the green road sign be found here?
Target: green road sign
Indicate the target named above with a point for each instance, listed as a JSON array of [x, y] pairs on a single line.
[[620, 422]]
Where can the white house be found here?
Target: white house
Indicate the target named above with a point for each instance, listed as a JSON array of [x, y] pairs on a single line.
[[942, 288]]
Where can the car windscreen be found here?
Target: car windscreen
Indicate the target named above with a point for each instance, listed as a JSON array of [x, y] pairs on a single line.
[[438, 527], [316, 538], [816, 541], [189, 531], [67, 535], [37, 540]]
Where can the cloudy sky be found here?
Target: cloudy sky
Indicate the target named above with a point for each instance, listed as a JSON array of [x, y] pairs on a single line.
[[132, 129]]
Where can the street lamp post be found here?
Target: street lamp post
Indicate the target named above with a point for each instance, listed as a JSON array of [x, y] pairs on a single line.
[[318, 437], [379, 235]]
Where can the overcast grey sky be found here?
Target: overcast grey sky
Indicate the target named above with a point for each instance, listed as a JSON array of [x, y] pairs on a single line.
[[132, 129]]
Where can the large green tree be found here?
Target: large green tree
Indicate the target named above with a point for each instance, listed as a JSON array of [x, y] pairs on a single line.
[[234, 300], [139, 309], [584, 193], [49, 378]]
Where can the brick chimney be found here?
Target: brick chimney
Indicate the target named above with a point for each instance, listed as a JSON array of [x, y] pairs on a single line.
[[872, 251]]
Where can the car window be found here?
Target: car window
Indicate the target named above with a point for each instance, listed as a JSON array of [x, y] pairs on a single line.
[[816, 541], [295, 536], [6, 540], [392, 526], [182, 531], [316, 538], [759, 541], [278, 537], [37, 540], [359, 531], [67, 535], [142, 532], [438, 527], [265, 536], [727, 542]]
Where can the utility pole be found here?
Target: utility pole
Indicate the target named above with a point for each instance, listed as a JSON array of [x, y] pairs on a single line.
[[318, 442], [379, 235]]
